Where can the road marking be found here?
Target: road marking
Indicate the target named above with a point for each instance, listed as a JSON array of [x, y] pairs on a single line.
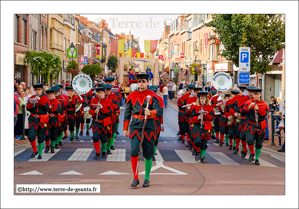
[[165, 142], [175, 142], [186, 156], [19, 152], [159, 164], [113, 173], [117, 155], [81, 154], [72, 172], [45, 156], [262, 162], [281, 159], [81, 140], [32, 173], [222, 158], [123, 140]]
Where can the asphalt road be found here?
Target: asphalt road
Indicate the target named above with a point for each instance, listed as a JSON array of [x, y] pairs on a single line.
[[175, 172]]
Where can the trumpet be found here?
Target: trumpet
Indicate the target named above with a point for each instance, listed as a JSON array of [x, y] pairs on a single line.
[[187, 105], [71, 95], [256, 117]]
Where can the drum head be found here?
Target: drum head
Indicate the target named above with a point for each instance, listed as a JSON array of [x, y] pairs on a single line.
[[86, 109]]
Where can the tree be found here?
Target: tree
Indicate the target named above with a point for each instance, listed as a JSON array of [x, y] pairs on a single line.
[[264, 33], [43, 63], [112, 63], [92, 70]]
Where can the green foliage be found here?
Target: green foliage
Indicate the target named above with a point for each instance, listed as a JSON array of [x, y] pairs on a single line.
[[264, 33], [175, 70], [41, 63], [73, 68], [92, 70], [112, 63], [195, 69]]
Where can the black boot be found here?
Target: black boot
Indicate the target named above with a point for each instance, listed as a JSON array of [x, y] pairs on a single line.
[[117, 132], [52, 150], [227, 144], [47, 149], [81, 133], [220, 144], [178, 133], [155, 153], [197, 156], [236, 151], [97, 156], [64, 138], [154, 159], [243, 154], [214, 137], [103, 155], [71, 139], [251, 157], [135, 183], [234, 148], [188, 144], [39, 157], [145, 183], [34, 154], [203, 160], [230, 147], [180, 139], [112, 147], [217, 141], [87, 133], [257, 162], [109, 152], [56, 146], [77, 137], [193, 152], [182, 142], [60, 144]]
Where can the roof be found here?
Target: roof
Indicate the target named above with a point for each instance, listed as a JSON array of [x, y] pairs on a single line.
[[278, 57], [110, 34]]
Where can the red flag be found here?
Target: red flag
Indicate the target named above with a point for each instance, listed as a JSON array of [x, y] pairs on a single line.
[[114, 46], [134, 51], [154, 44], [120, 54], [141, 54]]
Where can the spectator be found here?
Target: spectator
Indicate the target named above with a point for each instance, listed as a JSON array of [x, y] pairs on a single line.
[[165, 94], [15, 85], [277, 130], [26, 95], [67, 83], [17, 101], [282, 149], [122, 91], [169, 85], [203, 82], [183, 82], [181, 86], [174, 90], [95, 84], [273, 104], [23, 84], [19, 89], [148, 71], [278, 102], [252, 84], [45, 88], [19, 124]]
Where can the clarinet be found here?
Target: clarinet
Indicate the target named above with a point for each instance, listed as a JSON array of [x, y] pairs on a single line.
[[97, 110], [256, 117], [201, 121]]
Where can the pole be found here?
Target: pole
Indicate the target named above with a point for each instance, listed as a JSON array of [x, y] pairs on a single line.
[[272, 127], [23, 127]]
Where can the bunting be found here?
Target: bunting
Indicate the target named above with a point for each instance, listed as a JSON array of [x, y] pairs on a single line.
[[117, 47], [150, 45]]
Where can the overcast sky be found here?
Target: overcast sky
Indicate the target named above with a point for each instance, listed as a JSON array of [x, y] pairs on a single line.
[[146, 27]]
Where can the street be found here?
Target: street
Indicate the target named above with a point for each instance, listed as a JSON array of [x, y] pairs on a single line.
[[175, 171]]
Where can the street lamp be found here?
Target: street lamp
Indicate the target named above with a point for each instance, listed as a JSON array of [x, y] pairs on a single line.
[[72, 48], [196, 53]]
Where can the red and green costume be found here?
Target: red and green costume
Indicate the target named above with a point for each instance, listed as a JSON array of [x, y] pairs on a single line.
[[79, 115]]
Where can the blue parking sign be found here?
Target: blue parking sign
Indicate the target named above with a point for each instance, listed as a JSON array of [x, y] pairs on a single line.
[[244, 78], [244, 57]]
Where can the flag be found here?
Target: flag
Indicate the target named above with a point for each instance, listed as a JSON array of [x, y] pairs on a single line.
[[129, 52], [114, 47], [138, 54], [121, 46], [150, 45], [134, 51], [142, 55]]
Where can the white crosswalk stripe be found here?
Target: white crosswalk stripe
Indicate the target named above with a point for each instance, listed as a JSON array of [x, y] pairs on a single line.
[[222, 158], [262, 162], [117, 155], [186, 156], [19, 152], [81, 154], [45, 156]]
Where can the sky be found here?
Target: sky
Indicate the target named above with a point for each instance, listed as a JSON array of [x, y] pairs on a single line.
[[146, 27]]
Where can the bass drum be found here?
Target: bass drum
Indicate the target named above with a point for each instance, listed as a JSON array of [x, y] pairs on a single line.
[[133, 87]]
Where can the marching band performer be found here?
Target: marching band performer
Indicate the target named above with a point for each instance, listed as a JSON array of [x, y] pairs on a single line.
[[158, 120], [100, 109], [37, 120], [137, 107], [202, 124], [181, 115], [231, 119], [66, 103], [115, 105], [79, 115], [88, 97], [70, 110], [240, 115], [53, 125], [257, 111], [110, 80], [223, 118], [215, 104]]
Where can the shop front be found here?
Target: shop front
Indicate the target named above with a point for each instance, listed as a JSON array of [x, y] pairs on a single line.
[[21, 71]]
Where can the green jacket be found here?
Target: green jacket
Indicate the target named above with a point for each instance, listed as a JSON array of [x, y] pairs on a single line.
[[22, 101]]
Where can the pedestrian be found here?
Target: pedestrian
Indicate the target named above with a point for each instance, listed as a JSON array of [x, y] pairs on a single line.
[[124, 96], [15, 86], [273, 103], [135, 109], [148, 71], [165, 94], [23, 84], [278, 118], [203, 82], [282, 149], [169, 85], [16, 110], [19, 124], [257, 110], [38, 119], [174, 90]]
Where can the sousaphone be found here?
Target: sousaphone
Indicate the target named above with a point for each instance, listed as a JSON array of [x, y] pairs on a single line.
[[222, 81]]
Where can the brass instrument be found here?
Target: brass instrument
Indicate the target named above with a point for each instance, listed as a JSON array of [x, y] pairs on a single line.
[[98, 109], [256, 117], [71, 96], [187, 105], [238, 119], [231, 121], [201, 113], [78, 105]]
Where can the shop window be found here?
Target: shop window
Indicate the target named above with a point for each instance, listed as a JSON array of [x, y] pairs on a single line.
[[33, 41], [17, 29], [41, 38], [24, 30]]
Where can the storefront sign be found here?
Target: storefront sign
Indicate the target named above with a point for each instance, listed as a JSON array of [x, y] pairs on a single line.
[[206, 39], [221, 67], [19, 60]]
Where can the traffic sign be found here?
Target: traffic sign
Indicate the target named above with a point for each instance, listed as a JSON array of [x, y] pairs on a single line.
[[244, 59], [244, 78], [160, 57]]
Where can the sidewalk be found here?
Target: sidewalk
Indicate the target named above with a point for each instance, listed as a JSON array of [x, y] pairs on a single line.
[[267, 143]]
